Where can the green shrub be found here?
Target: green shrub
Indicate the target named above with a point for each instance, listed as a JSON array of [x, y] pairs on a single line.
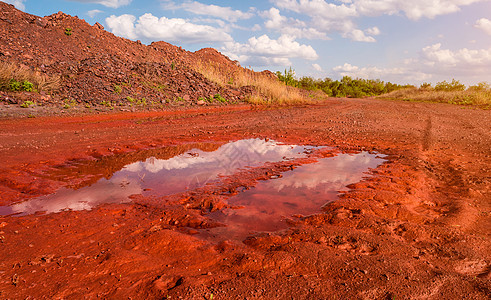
[[345, 87], [453, 86], [27, 86], [68, 31], [288, 77], [15, 85], [117, 89], [107, 103], [143, 102], [219, 98], [425, 86], [68, 103], [480, 87], [26, 104]]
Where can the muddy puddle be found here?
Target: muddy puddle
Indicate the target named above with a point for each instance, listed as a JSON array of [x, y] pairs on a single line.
[[300, 192], [154, 173], [266, 207]]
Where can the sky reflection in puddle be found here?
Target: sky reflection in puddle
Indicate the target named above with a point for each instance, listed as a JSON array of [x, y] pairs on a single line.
[[160, 177], [302, 191]]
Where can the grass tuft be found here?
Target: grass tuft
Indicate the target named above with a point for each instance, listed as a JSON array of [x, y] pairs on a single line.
[[17, 78], [27, 104], [267, 89], [473, 96]]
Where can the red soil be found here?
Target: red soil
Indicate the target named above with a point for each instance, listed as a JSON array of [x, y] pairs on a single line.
[[417, 228]]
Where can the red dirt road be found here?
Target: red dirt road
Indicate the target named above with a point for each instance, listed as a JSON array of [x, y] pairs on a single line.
[[418, 228]]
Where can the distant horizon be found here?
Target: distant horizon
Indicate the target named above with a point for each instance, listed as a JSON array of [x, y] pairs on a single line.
[[396, 41]]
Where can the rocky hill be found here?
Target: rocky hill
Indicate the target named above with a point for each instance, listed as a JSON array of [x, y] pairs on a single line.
[[91, 66]]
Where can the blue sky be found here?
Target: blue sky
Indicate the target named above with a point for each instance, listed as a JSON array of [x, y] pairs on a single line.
[[394, 40]]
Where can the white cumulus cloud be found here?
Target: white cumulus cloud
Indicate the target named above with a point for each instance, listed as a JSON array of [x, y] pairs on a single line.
[[170, 30], [318, 8], [19, 4], [225, 13], [108, 3], [366, 72], [434, 62], [402, 74], [413, 10], [123, 25], [93, 13], [321, 17], [264, 51], [290, 26], [462, 61], [435, 55], [358, 36], [317, 67], [326, 17], [484, 24], [373, 31]]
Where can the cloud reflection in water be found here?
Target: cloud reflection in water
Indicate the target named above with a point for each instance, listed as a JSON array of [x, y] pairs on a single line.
[[162, 176], [301, 191]]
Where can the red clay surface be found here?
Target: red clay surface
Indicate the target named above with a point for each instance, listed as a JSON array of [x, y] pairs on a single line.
[[418, 228]]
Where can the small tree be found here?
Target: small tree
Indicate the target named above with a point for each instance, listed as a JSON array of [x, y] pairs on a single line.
[[481, 86], [425, 86], [288, 77], [455, 85]]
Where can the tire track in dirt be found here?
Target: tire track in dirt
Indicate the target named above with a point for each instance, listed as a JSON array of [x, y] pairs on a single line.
[[450, 173], [427, 134]]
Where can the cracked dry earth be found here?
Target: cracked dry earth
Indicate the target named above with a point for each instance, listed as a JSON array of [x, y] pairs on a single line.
[[415, 227]]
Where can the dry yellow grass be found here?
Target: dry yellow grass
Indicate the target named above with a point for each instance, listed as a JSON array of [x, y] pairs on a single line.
[[10, 71], [475, 97], [268, 90]]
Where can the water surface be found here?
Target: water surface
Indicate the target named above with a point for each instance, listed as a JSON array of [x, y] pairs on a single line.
[[302, 191], [160, 177]]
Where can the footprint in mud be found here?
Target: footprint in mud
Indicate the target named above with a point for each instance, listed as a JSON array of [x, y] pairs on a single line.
[[352, 245], [166, 282]]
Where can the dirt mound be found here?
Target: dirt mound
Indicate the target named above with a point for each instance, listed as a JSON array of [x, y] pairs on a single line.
[[97, 67], [213, 56]]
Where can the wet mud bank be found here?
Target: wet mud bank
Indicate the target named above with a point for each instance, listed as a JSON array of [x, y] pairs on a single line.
[[352, 198]]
